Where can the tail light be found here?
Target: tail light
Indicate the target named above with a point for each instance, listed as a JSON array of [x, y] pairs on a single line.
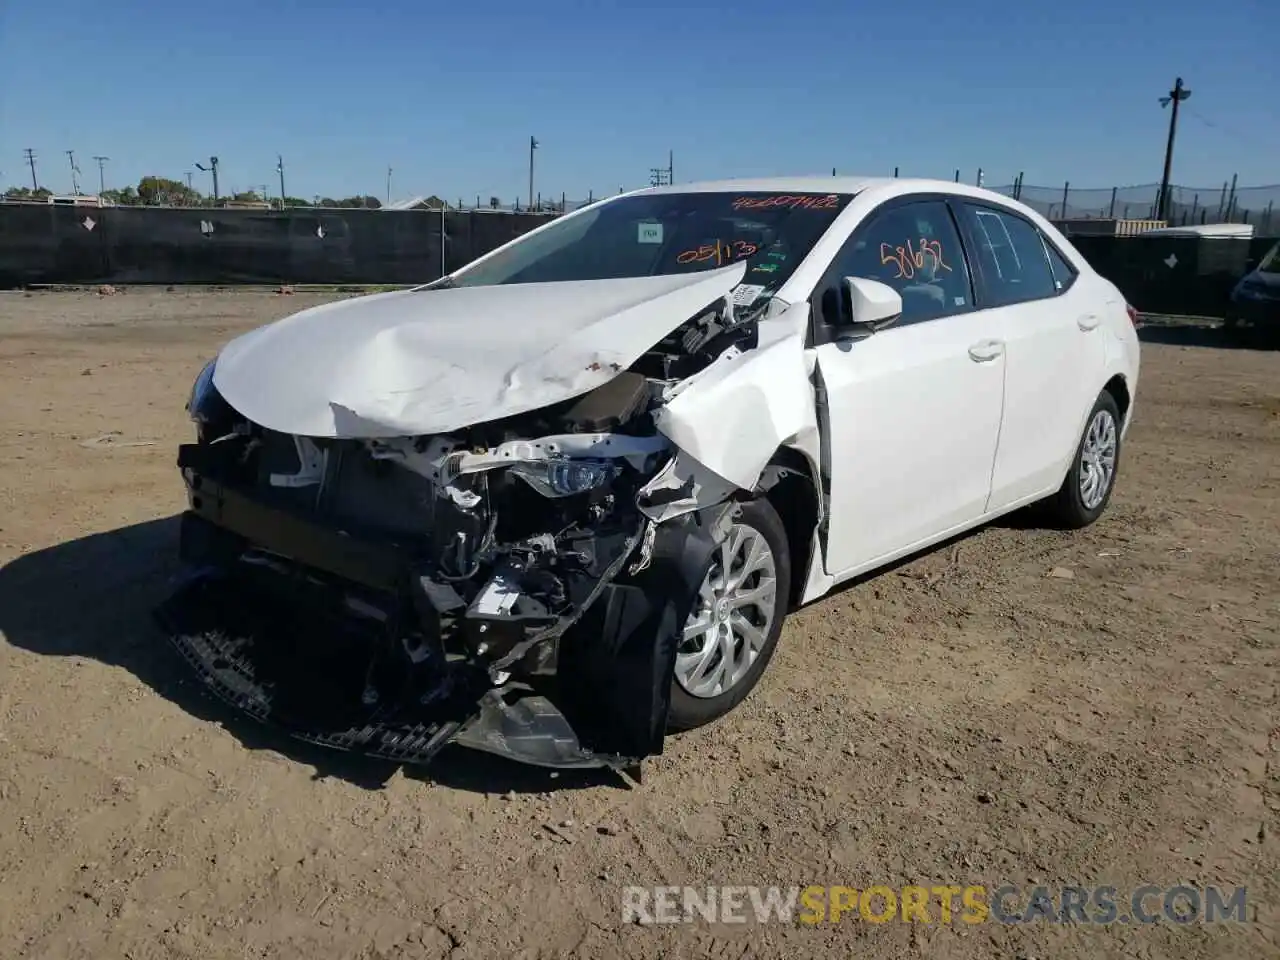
[[1133, 314]]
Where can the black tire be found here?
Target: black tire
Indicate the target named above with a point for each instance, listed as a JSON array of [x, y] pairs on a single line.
[[688, 711], [1066, 508]]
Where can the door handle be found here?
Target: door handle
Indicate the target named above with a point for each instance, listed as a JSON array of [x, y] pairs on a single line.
[[985, 350], [1088, 322]]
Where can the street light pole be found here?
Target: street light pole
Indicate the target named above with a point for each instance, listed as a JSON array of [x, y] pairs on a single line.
[[533, 145], [212, 168], [280, 170], [1175, 97]]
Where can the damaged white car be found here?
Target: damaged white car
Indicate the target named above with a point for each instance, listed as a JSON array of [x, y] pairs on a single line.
[[559, 502]]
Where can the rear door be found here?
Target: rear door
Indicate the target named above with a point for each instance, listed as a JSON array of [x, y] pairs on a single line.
[[1049, 318]]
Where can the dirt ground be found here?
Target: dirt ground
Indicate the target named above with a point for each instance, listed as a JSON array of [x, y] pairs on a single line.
[[966, 718]]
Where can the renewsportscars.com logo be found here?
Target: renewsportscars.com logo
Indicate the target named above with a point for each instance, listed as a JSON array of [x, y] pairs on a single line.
[[944, 904]]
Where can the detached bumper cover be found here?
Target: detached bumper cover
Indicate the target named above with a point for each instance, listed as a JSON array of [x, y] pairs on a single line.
[[286, 650], [206, 620]]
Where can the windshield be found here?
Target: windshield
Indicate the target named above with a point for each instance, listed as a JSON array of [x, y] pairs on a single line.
[[665, 233], [1271, 262]]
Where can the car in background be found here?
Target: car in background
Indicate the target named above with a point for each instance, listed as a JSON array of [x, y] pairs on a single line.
[[558, 503], [1255, 300]]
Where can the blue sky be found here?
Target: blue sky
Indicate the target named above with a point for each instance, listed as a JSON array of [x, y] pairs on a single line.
[[448, 94]]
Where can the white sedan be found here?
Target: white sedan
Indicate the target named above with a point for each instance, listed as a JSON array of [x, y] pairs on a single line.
[[558, 503]]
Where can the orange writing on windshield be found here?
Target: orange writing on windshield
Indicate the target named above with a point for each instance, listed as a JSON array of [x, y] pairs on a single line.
[[788, 201], [719, 252], [908, 260]]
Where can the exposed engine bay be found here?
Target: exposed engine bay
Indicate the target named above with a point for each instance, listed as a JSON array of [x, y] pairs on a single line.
[[518, 585]]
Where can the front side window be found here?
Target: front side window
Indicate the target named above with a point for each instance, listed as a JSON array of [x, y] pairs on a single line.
[[914, 248], [669, 233], [1012, 254]]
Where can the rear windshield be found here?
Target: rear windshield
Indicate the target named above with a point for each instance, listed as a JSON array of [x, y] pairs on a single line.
[[668, 233]]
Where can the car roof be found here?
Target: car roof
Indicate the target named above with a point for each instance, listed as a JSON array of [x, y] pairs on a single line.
[[885, 187]]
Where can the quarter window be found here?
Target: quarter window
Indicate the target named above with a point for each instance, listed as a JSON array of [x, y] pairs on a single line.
[[1064, 274], [914, 248], [1011, 252]]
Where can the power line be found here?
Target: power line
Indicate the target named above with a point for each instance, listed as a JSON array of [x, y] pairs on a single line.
[[1224, 129]]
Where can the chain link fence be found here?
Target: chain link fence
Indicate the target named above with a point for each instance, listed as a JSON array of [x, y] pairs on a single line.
[[1228, 203], [1258, 206]]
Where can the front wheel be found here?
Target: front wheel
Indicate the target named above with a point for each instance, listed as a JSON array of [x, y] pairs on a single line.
[[734, 626], [1086, 491]]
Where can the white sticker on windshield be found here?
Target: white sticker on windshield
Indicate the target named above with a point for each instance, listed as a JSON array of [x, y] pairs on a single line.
[[746, 294], [649, 233]]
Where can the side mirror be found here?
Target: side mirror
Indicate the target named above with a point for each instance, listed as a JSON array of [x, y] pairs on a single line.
[[870, 304]]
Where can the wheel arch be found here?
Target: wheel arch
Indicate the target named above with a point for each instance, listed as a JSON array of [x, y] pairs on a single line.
[[1118, 387], [790, 484]]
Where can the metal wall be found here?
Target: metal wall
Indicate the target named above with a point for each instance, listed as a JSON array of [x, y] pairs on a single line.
[[1180, 276], [45, 243]]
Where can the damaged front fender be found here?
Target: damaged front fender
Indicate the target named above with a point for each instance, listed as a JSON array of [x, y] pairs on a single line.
[[732, 416]]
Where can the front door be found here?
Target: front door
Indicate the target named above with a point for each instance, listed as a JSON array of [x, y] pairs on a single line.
[[913, 411]]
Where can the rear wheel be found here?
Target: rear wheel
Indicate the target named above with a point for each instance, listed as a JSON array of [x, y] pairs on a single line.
[[734, 626], [1086, 491]]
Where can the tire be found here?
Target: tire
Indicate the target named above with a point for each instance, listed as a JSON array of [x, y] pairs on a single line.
[[1070, 508], [691, 707]]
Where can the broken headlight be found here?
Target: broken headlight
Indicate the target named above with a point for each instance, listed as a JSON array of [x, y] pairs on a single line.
[[564, 478]]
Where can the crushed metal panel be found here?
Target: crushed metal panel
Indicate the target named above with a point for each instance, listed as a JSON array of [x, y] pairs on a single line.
[[420, 362], [732, 416]]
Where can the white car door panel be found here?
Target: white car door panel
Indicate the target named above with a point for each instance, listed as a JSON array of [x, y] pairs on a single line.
[[913, 419], [912, 412]]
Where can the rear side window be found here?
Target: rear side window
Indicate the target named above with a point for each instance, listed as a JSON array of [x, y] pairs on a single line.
[[1064, 274], [1011, 252]]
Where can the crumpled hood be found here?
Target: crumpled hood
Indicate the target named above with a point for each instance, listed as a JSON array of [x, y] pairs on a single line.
[[431, 361]]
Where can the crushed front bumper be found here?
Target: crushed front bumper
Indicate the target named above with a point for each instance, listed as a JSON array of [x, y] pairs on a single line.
[[293, 638]]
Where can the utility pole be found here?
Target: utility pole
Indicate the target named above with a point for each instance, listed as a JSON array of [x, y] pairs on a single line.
[[31, 162], [102, 181], [75, 184], [533, 145], [189, 186], [671, 166], [280, 170], [211, 168], [388, 185], [1175, 97]]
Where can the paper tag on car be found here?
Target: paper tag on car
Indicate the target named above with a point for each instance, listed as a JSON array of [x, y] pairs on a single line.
[[746, 294], [649, 233]]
